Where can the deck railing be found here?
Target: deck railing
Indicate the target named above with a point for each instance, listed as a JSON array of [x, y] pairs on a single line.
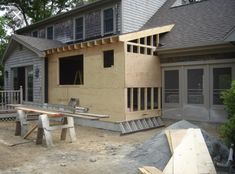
[[10, 97]]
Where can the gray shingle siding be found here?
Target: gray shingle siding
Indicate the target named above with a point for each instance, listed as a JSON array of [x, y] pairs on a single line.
[[136, 13], [22, 58], [64, 28]]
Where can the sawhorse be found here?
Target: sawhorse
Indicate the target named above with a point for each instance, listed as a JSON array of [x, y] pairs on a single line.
[[44, 128]]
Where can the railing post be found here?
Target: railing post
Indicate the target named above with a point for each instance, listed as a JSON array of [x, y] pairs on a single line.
[[21, 94]]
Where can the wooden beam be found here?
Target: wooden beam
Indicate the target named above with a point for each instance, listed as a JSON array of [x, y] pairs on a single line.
[[139, 99], [159, 98], [145, 33], [149, 170], [30, 131], [152, 98], [140, 45], [76, 46], [70, 47], [82, 45]]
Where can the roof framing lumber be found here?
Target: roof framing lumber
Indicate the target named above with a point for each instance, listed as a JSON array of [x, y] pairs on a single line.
[[145, 33]]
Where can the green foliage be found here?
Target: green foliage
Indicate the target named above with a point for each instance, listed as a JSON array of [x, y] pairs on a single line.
[[3, 43], [227, 131], [228, 97], [36, 10]]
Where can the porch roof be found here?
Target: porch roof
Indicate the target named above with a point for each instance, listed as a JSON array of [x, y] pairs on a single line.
[[36, 45]]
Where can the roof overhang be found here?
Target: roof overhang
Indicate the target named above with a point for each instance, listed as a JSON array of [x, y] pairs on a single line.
[[223, 47], [11, 46]]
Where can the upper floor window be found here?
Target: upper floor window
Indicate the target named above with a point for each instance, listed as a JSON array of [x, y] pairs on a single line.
[[108, 21], [50, 32], [79, 28], [35, 34]]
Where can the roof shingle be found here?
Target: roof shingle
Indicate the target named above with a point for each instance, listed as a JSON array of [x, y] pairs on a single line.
[[197, 24]]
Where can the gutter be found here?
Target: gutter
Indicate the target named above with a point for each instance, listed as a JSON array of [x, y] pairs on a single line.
[[218, 47]]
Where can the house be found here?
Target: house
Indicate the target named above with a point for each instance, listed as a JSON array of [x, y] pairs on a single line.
[[129, 59], [197, 57]]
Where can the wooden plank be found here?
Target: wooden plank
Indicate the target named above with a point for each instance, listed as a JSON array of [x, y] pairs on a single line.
[[184, 157], [30, 131], [167, 133], [169, 167], [55, 113], [145, 33], [32, 109], [143, 171], [176, 137], [204, 161], [153, 170]]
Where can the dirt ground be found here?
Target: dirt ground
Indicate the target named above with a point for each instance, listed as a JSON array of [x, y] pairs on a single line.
[[96, 151]]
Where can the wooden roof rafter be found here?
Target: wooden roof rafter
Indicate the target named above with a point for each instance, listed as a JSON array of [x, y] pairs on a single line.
[[145, 33], [87, 44]]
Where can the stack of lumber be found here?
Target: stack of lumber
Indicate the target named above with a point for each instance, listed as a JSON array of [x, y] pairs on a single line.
[[189, 153]]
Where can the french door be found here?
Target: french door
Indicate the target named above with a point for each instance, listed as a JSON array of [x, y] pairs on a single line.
[[23, 76], [187, 86]]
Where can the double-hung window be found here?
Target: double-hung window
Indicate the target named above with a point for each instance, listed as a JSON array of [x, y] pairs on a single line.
[[79, 28], [50, 32], [108, 21]]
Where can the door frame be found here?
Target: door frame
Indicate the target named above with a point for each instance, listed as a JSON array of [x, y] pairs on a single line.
[[232, 66], [26, 83], [184, 80], [169, 105]]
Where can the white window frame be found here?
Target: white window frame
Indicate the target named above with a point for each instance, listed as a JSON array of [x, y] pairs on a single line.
[[114, 21], [53, 36], [74, 28]]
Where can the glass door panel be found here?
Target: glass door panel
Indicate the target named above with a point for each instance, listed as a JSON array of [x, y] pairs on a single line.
[[171, 86], [195, 86], [29, 84], [222, 78]]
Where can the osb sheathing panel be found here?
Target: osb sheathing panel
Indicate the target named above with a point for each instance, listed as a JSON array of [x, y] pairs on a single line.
[[103, 89], [142, 70]]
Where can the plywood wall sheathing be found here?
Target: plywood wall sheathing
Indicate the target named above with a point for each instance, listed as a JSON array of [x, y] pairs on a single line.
[[103, 90]]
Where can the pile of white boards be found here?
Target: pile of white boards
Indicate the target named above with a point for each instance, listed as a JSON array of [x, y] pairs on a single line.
[[189, 154]]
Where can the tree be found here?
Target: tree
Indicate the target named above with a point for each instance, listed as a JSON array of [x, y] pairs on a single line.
[[3, 43], [35, 10]]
